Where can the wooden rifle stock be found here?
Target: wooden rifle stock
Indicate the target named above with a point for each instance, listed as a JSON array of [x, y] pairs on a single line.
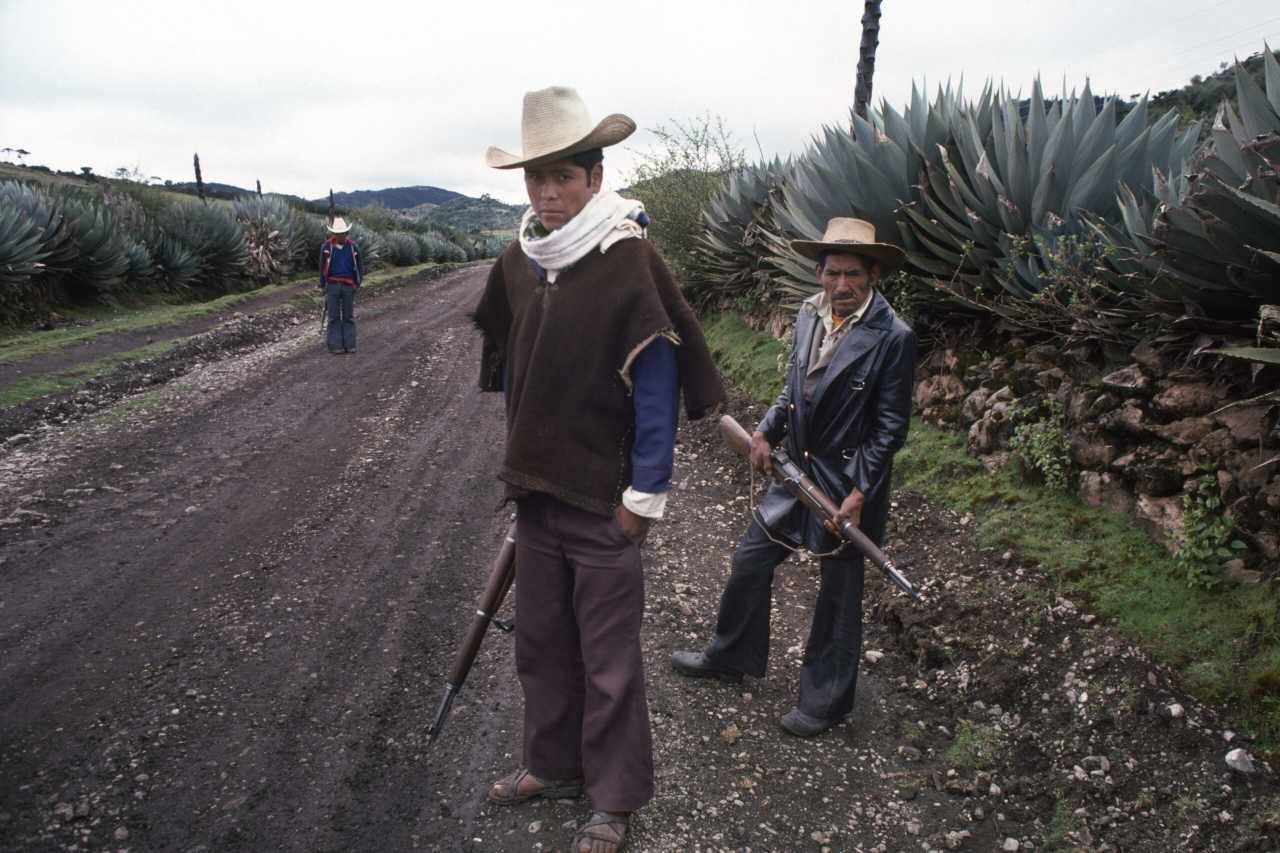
[[500, 580], [799, 484]]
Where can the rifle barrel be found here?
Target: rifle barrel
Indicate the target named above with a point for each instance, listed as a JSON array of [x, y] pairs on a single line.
[[500, 580]]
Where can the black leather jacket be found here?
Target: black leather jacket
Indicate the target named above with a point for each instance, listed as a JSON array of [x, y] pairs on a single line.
[[848, 434]]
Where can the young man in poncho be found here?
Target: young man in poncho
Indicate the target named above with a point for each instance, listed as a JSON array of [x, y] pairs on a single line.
[[587, 334]]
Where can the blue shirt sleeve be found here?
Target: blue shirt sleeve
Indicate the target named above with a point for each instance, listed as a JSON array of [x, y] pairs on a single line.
[[656, 383]]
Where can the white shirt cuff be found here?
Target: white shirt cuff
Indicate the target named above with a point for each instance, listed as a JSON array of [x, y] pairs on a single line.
[[644, 504]]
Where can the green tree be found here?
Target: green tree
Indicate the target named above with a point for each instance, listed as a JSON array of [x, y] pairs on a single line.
[[676, 181], [375, 215]]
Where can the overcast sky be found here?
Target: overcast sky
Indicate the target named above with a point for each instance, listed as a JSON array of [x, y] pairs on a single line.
[[308, 96]]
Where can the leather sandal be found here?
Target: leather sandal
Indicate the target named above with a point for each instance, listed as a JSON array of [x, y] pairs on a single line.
[[617, 825], [562, 789]]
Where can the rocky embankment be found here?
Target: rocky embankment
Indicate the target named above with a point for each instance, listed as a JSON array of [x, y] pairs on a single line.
[[1141, 436]]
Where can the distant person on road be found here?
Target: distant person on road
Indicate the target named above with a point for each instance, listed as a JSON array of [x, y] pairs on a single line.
[[341, 271], [587, 333], [843, 414]]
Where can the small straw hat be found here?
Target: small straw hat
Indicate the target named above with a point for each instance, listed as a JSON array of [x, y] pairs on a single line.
[[339, 226], [555, 125], [856, 236]]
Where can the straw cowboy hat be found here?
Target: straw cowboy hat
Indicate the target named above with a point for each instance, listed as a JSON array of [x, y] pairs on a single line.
[[856, 236], [555, 125], [339, 226]]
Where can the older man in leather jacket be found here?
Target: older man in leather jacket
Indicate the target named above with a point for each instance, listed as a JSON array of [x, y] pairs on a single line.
[[844, 414]]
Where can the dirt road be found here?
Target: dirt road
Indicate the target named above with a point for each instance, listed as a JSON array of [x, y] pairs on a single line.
[[227, 608], [211, 638]]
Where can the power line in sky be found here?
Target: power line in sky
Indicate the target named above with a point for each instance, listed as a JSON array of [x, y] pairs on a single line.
[[1199, 46], [1147, 34], [1215, 56]]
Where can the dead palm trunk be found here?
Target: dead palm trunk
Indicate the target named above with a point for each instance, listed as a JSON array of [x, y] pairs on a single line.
[[867, 56]]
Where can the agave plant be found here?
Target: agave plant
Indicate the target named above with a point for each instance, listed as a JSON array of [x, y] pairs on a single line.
[[275, 238], [102, 259], [21, 258], [33, 241], [403, 249], [736, 243], [492, 247], [177, 265], [213, 235], [440, 249], [1004, 210], [1223, 237], [989, 198]]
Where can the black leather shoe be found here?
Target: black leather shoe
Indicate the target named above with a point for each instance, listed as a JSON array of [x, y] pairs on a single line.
[[695, 664], [801, 724]]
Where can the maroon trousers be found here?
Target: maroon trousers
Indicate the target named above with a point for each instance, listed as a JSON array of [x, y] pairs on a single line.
[[579, 603]]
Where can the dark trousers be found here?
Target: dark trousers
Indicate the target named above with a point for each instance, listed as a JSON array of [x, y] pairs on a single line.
[[579, 604], [829, 673], [340, 302]]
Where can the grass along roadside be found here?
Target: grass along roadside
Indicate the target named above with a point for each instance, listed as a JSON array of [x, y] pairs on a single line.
[[1225, 641], [23, 347], [39, 384], [106, 320]]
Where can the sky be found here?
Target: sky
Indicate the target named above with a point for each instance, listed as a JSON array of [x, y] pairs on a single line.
[[317, 95]]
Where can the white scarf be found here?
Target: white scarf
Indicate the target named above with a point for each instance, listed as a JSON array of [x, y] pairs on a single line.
[[606, 219]]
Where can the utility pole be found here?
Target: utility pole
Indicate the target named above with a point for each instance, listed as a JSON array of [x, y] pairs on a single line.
[[867, 56]]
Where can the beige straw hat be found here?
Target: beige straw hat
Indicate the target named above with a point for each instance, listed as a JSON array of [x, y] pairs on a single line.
[[555, 125], [856, 236], [339, 225]]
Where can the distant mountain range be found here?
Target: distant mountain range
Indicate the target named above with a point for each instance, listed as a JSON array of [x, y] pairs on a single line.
[[217, 188], [396, 198]]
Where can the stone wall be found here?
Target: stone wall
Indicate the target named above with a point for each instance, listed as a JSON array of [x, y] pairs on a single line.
[[1140, 435]]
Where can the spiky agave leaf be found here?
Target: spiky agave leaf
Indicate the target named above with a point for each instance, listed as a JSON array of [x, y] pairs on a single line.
[[1224, 233]]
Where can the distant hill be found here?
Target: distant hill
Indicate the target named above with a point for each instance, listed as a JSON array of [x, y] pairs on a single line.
[[477, 214], [396, 198], [1199, 100], [215, 190]]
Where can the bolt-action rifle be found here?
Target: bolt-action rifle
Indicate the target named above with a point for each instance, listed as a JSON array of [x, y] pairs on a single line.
[[500, 580], [790, 475]]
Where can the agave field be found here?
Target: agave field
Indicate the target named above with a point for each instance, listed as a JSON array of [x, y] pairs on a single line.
[[64, 245], [1055, 215]]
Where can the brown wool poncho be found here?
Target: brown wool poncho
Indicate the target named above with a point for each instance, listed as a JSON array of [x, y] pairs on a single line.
[[567, 350]]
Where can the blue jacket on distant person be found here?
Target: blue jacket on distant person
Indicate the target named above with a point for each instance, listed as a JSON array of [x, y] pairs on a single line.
[[341, 263]]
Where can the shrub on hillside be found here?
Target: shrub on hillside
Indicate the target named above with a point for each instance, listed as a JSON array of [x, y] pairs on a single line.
[[677, 181]]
